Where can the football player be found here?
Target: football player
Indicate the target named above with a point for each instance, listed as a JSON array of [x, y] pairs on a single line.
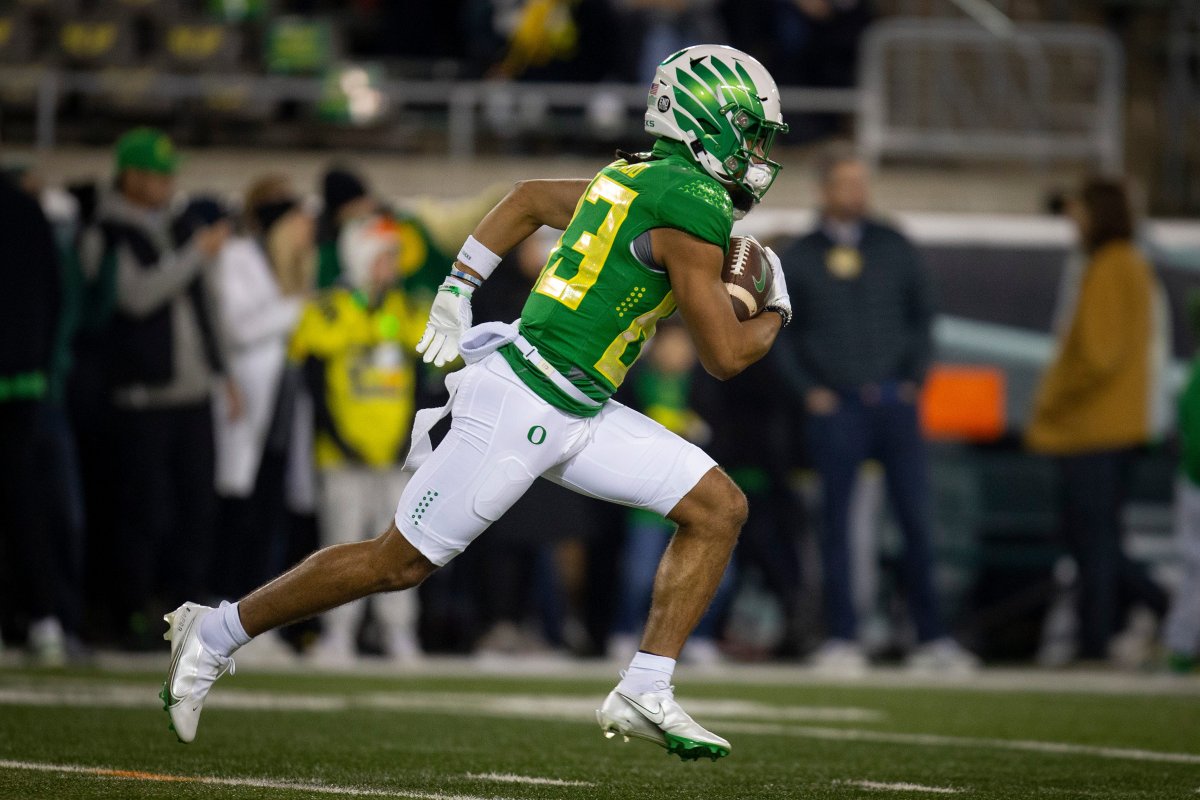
[[646, 235]]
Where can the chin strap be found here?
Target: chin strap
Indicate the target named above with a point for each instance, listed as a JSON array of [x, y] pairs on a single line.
[[704, 158]]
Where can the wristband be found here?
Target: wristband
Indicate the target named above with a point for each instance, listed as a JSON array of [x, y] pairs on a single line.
[[478, 257], [466, 277], [781, 311]]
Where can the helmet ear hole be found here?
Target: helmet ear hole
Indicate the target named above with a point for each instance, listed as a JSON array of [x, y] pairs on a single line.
[[708, 127]]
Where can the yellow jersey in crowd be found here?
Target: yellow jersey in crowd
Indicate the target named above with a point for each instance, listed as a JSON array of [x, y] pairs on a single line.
[[359, 363]]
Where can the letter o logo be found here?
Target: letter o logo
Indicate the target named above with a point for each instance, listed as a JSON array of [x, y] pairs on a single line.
[[536, 435]]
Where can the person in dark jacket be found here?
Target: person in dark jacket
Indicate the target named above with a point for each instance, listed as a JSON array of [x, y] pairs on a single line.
[[165, 360], [29, 307], [855, 356]]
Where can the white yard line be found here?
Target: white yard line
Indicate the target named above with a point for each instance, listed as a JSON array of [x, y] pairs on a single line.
[[249, 783], [880, 786], [569, 709], [508, 777], [554, 667], [101, 696], [937, 740], [502, 705]]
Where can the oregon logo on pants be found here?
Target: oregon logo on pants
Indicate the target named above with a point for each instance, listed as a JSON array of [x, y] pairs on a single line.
[[536, 435]]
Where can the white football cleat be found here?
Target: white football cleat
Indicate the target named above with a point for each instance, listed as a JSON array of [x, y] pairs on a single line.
[[193, 670], [942, 657], [658, 718], [839, 658]]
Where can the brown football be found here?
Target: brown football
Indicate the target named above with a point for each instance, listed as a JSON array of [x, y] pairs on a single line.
[[747, 275]]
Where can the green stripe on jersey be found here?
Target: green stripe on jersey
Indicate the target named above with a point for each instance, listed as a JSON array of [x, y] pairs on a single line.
[[543, 387]]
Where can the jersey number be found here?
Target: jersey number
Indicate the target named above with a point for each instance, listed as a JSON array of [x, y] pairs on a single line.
[[592, 246]]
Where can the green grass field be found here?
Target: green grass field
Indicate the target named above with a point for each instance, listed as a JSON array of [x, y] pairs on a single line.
[[450, 732]]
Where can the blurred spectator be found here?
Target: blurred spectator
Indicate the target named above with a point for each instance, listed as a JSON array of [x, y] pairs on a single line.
[[1181, 633], [167, 357], [29, 308], [539, 40], [536, 32], [817, 41], [355, 342], [432, 230], [54, 469], [757, 450], [264, 278], [525, 571], [90, 412], [429, 230], [345, 198], [856, 354], [816, 44], [661, 389], [58, 460], [1093, 406], [663, 27]]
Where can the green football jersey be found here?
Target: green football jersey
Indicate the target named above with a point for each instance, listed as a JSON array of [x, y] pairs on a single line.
[[595, 304]]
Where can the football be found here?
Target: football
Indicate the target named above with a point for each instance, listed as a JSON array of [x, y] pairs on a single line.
[[747, 275]]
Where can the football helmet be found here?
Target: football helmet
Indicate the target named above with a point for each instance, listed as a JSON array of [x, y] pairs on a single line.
[[724, 105]]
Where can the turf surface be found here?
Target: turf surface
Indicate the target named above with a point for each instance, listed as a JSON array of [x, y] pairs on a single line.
[[299, 735]]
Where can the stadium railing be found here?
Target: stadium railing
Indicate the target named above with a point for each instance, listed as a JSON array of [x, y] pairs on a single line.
[[464, 101], [955, 89]]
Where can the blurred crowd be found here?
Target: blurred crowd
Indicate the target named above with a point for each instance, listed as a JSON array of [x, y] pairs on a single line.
[[806, 42], [802, 42], [182, 378]]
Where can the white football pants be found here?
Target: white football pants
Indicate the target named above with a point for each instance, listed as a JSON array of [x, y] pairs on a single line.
[[503, 436]]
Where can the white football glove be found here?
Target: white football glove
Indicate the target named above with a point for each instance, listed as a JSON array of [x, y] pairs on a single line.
[[779, 299], [449, 319]]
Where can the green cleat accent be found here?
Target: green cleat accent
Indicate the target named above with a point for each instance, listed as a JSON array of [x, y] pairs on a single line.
[[690, 750], [162, 695]]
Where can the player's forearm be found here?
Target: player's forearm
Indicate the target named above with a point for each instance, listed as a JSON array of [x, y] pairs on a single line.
[[527, 207], [723, 357], [757, 336]]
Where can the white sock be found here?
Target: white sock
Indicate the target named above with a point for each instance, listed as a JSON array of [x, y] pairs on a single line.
[[221, 632], [647, 673]]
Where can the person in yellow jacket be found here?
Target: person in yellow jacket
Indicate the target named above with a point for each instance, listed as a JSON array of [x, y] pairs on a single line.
[[1095, 404], [355, 345]]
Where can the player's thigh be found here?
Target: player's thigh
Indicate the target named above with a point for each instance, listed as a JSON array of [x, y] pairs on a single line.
[[501, 438], [632, 460]]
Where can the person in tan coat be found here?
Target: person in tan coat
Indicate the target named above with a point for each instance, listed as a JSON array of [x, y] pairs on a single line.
[[1095, 405]]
